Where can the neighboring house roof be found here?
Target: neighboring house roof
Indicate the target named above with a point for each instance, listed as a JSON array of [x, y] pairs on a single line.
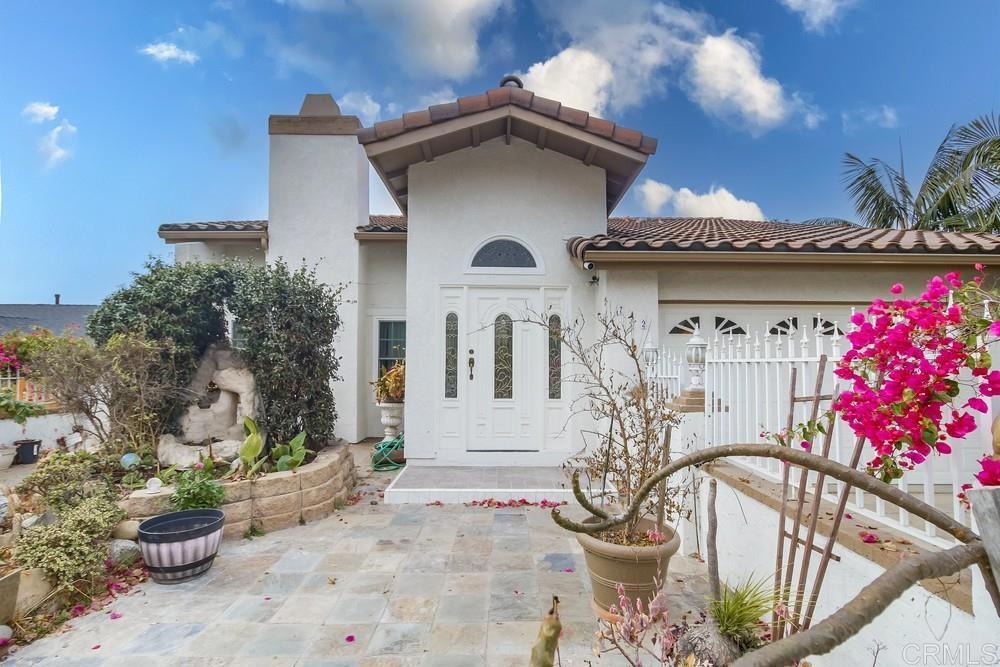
[[656, 239], [56, 318], [393, 146]]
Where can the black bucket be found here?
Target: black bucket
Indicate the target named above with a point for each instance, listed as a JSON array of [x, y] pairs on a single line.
[[27, 450], [180, 546]]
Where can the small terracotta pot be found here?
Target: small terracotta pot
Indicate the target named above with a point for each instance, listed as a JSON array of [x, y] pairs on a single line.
[[637, 569]]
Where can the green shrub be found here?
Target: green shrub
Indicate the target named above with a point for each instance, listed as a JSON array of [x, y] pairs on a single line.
[[17, 410], [290, 320], [65, 480], [196, 490], [75, 547]]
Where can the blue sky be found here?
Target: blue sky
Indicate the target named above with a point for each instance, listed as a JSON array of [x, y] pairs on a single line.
[[118, 116]]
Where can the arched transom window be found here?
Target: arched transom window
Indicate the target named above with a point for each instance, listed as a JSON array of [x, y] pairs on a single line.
[[504, 253]]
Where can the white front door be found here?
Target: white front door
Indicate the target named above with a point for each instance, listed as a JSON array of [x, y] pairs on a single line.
[[506, 385]]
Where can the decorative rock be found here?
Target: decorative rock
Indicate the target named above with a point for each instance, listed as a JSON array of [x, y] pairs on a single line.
[[30, 520], [172, 452], [5, 632], [4, 507], [123, 552], [127, 529]]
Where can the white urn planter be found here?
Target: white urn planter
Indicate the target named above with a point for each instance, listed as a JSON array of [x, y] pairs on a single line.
[[392, 418]]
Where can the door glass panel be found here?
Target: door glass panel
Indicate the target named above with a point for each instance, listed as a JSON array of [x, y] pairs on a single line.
[[451, 356], [555, 357], [503, 357]]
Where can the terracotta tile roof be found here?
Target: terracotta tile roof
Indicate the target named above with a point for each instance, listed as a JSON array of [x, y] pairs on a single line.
[[721, 234], [498, 97], [216, 226], [710, 234], [384, 223]]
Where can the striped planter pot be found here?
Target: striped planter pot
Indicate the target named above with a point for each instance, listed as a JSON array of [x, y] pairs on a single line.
[[180, 546]]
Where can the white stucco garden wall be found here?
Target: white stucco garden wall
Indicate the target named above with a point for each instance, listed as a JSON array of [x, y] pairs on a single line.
[[455, 203], [47, 428], [917, 629]]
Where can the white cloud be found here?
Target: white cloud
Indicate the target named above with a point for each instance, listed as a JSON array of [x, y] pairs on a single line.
[[726, 81], [165, 52], [362, 105], [39, 112], [433, 37], [50, 145], [882, 116], [717, 202], [576, 77], [818, 14], [621, 54], [442, 95]]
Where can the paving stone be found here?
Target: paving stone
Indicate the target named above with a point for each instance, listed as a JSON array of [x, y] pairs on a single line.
[[335, 641], [352, 608], [163, 638], [424, 584], [467, 608], [458, 638], [252, 609], [399, 638], [289, 640], [297, 561], [307, 609], [466, 582], [410, 609]]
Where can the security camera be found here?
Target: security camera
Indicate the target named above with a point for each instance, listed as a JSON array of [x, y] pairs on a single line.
[[589, 266]]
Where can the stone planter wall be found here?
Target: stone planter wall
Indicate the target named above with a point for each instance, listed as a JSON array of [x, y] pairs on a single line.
[[276, 500]]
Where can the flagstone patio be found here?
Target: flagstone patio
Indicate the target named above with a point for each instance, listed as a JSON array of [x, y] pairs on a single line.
[[373, 585]]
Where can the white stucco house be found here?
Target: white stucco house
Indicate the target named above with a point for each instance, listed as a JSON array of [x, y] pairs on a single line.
[[506, 198]]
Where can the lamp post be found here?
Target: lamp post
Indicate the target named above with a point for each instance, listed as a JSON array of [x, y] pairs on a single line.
[[694, 355]]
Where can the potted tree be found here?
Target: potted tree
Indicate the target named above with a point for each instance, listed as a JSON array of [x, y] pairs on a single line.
[[390, 390], [631, 441]]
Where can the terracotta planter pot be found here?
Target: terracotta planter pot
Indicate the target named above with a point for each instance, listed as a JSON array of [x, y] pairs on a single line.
[[180, 546], [636, 568]]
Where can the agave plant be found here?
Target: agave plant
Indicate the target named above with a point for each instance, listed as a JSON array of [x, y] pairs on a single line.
[[960, 191]]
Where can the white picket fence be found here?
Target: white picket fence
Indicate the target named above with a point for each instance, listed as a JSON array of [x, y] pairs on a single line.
[[747, 395], [664, 374]]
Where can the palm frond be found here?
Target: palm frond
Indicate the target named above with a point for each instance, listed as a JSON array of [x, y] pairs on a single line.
[[875, 188]]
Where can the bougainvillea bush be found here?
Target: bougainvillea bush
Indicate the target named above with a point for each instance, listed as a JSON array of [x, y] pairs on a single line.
[[919, 369]]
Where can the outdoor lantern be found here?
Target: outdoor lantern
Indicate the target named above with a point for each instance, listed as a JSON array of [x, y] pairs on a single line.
[[694, 354]]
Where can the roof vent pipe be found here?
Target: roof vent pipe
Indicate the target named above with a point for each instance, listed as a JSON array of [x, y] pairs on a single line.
[[58, 298], [511, 80]]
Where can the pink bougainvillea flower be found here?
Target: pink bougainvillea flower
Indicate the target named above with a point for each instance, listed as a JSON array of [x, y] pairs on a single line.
[[848, 515], [807, 446], [77, 610], [980, 266], [897, 288], [994, 329], [115, 616], [990, 473], [349, 639], [868, 538], [977, 404], [568, 569]]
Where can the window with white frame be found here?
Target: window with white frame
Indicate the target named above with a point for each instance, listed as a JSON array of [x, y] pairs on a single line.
[[391, 344]]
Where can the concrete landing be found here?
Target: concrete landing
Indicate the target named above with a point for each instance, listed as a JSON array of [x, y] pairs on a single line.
[[461, 484]]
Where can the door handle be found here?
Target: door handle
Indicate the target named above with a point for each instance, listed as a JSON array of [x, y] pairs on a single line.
[[472, 363]]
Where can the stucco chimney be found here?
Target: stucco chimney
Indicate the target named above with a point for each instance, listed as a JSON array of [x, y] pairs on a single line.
[[58, 298], [318, 197]]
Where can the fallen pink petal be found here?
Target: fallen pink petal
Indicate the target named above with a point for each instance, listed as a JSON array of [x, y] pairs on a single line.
[[349, 639], [115, 616]]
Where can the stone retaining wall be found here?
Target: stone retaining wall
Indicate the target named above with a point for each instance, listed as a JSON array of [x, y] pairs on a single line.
[[274, 501]]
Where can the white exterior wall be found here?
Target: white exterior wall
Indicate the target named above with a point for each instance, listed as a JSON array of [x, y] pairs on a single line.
[[455, 203], [919, 628], [318, 198], [209, 252], [383, 286]]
